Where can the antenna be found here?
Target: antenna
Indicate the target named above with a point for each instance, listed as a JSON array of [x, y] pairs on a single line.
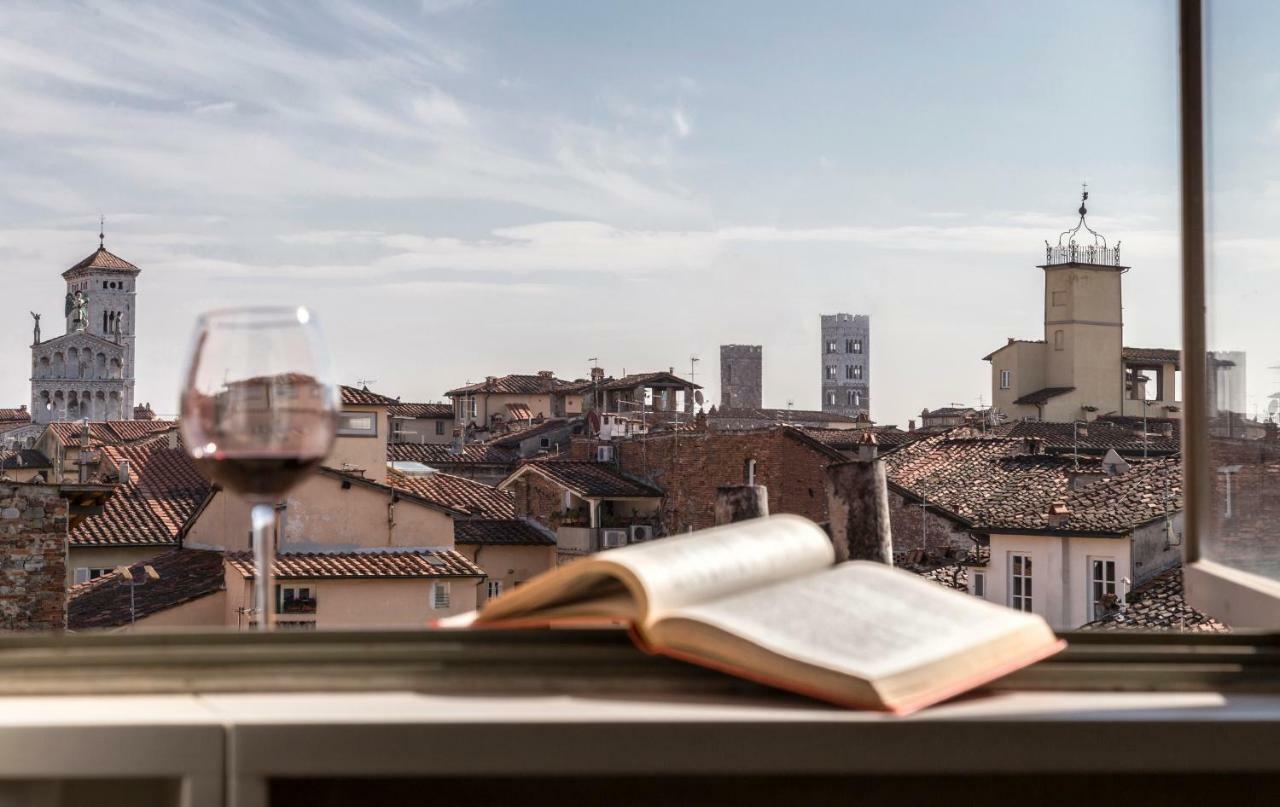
[[364, 383], [693, 366]]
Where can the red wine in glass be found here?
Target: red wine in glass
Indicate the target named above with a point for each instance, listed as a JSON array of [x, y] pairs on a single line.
[[259, 412]]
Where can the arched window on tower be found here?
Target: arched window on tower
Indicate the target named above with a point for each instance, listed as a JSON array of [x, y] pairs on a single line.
[[100, 366]]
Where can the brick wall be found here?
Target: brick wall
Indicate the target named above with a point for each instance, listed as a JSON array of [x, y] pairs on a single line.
[[33, 558], [536, 498], [931, 532], [690, 466]]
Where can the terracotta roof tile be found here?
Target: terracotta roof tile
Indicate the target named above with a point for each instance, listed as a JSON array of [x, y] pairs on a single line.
[[510, 531], [109, 432], [102, 261], [1097, 437], [1159, 605], [1162, 355], [638, 379], [590, 478], [23, 458], [456, 492], [366, 564], [422, 410], [515, 384], [1042, 395], [162, 492], [441, 455], [14, 416], [362, 396], [185, 575]]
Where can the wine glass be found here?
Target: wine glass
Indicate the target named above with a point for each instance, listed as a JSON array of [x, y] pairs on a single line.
[[259, 411]]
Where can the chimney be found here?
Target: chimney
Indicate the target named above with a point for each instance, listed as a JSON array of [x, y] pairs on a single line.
[[867, 448], [489, 380], [911, 425], [84, 435], [1080, 479], [173, 439], [1058, 515], [124, 471], [22, 407], [1033, 445], [459, 441], [671, 370], [1166, 429], [545, 374], [597, 374]]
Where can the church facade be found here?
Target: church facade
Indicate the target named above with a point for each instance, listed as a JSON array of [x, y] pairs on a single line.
[[88, 372]]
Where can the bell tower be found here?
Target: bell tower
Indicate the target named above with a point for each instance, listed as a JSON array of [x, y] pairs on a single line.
[[1083, 314], [89, 372]]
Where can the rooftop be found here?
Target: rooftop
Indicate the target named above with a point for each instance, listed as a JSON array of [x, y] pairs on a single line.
[[589, 479], [185, 575], [779, 415], [455, 492], [367, 564], [152, 504], [501, 532], [1159, 355], [1159, 605], [108, 432], [362, 396], [647, 379], [102, 261], [438, 454], [1042, 395], [422, 410], [516, 384]]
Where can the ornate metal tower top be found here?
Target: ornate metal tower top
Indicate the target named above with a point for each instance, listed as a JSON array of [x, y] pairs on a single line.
[[1070, 250]]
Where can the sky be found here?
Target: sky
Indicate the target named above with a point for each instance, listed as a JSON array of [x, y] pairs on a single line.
[[462, 189]]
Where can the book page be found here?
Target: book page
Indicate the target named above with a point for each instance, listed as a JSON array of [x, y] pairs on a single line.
[[710, 564], [861, 619], [639, 581]]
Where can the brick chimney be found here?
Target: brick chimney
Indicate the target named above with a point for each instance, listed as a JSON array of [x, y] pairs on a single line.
[[34, 525], [545, 374], [911, 425], [1058, 515], [597, 374]]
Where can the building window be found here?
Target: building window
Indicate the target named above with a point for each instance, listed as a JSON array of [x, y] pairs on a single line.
[[1058, 340], [853, 397], [1019, 581], [848, 346], [857, 372], [439, 595], [84, 574], [830, 371], [296, 599], [1102, 586], [831, 346], [749, 472], [831, 398], [857, 346], [493, 588], [439, 427], [1059, 298], [1006, 378], [358, 424], [979, 584], [544, 442]]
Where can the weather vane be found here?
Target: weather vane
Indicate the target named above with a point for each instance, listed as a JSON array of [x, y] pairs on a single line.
[[102, 231]]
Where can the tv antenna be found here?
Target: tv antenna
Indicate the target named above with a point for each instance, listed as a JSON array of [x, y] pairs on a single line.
[[364, 383], [693, 366]]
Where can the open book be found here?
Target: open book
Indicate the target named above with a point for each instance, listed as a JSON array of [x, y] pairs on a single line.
[[762, 600]]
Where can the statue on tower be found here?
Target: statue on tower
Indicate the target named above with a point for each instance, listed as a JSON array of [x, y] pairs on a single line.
[[80, 305], [36, 339]]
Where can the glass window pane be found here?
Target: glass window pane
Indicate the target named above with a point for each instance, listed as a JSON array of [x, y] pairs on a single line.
[[1243, 255]]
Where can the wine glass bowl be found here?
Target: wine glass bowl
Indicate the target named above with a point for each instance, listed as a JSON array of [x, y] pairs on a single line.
[[258, 407], [259, 410]]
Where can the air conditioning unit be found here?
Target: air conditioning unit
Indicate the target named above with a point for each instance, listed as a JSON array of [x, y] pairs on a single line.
[[609, 539], [641, 532], [604, 453]]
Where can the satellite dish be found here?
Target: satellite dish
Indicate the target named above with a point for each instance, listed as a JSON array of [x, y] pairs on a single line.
[[697, 397]]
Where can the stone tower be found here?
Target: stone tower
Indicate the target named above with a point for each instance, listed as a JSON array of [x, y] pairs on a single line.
[[89, 371], [741, 376], [846, 364]]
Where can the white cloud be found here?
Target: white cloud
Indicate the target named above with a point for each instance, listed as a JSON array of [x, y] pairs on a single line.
[[681, 123]]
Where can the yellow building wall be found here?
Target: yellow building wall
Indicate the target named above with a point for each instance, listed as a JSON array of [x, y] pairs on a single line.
[[369, 453], [206, 612], [102, 557], [510, 564], [320, 515]]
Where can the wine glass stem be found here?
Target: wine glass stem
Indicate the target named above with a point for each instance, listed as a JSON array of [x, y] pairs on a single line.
[[263, 517]]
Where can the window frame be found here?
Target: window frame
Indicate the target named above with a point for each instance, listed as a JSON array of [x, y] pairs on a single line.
[[1026, 592], [1006, 379], [1092, 581], [438, 586], [1240, 598], [346, 431]]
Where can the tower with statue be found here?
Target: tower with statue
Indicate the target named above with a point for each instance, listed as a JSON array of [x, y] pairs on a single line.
[[88, 372]]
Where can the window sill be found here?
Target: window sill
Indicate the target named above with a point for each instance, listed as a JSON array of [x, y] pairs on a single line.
[[247, 710]]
